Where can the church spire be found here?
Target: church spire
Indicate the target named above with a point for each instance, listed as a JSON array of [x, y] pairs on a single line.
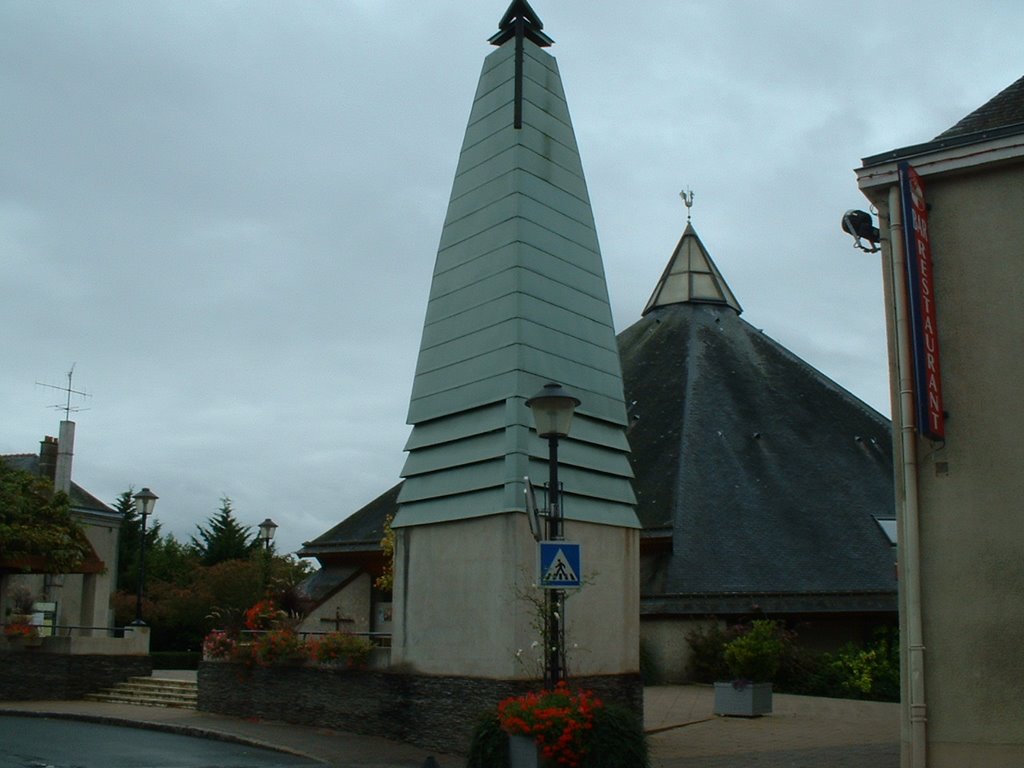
[[518, 299], [691, 276]]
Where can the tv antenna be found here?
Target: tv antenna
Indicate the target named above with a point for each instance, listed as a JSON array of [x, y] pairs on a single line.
[[68, 390]]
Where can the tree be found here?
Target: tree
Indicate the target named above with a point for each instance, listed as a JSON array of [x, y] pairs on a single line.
[[37, 531], [224, 538]]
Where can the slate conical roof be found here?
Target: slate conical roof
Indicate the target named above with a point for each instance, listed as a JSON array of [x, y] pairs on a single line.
[[758, 479], [518, 299]]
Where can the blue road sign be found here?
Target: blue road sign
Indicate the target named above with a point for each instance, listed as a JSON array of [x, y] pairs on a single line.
[[560, 565]]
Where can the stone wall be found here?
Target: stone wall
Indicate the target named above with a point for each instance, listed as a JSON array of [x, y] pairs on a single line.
[[30, 675], [436, 712]]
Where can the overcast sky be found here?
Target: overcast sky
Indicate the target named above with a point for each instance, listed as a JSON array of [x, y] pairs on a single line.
[[226, 214]]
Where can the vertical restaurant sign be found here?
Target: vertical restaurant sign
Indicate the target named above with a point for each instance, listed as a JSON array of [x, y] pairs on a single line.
[[921, 290]]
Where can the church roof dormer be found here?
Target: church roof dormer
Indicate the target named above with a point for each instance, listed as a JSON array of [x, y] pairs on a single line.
[[691, 277]]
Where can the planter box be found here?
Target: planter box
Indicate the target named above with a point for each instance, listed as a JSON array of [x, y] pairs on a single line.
[[522, 752], [743, 699]]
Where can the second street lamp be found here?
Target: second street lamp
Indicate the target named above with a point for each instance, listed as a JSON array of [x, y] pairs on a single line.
[[145, 500], [553, 409], [267, 530]]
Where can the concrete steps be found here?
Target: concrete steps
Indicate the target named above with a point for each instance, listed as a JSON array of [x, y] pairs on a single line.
[[150, 692]]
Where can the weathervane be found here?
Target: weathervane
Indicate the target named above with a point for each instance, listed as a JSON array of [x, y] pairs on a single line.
[[687, 195], [66, 405]]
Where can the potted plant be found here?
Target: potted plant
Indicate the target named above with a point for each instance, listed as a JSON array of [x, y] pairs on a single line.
[[20, 627], [753, 658], [555, 728], [549, 727]]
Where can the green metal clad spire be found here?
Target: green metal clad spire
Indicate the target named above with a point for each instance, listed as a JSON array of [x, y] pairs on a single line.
[[518, 299]]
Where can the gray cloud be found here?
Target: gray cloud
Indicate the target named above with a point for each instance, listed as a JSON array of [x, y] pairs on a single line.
[[227, 213]]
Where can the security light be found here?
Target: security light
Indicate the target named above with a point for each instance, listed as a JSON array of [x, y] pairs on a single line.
[[860, 225]]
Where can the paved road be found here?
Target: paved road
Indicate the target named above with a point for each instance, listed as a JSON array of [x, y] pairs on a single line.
[[37, 742]]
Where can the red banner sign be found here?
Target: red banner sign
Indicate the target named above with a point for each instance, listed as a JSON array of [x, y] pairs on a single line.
[[931, 420]]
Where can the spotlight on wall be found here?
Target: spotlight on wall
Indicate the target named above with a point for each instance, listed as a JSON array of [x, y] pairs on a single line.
[[861, 227]]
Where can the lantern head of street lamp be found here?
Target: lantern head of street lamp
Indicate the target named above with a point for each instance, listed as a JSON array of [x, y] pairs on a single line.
[[553, 408], [145, 500], [267, 529]]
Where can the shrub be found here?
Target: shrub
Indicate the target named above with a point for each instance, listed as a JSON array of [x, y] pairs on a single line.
[[707, 647], [869, 672], [218, 645], [19, 629], [617, 739], [756, 654], [650, 670], [342, 646], [176, 659], [264, 615], [488, 746], [279, 646]]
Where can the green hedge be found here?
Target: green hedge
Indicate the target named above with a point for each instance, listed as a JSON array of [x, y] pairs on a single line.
[[176, 659]]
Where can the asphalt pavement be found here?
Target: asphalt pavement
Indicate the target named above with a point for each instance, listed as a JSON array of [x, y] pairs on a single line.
[[801, 732]]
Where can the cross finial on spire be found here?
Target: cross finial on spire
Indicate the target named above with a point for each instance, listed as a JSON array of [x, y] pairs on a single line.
[[520, 22], [521, 19], [687, 195]]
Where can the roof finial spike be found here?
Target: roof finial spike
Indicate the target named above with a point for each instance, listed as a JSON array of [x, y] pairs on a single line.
[[520, 20], [687, 195]]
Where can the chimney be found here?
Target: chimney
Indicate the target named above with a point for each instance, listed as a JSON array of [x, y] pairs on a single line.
[[65, 452], [48, 457]]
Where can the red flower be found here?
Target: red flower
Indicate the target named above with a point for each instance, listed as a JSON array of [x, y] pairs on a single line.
[[557, 720]]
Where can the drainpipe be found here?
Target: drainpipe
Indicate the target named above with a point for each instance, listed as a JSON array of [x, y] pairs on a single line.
[[910, 545]]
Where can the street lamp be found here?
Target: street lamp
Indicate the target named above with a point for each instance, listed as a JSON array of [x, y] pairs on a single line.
[[553, 409], [145, 500], [267, 530]]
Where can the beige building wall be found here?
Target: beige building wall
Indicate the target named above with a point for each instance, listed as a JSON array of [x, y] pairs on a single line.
[[971, 517], [664, 640], [96, 589], [466, 601], [352, 602]]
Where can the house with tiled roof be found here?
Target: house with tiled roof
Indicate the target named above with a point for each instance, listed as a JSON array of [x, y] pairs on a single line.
[[76, 603]]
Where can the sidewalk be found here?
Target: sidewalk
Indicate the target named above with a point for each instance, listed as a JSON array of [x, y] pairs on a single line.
[[802, 732]]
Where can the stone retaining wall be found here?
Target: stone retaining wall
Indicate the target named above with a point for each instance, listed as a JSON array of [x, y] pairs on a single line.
[[31, 675], [431, 711]]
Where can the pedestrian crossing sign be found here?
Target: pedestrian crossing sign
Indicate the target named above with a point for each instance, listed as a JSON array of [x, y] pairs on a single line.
[[559, 565]]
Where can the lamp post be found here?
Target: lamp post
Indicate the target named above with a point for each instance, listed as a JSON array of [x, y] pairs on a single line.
[[267, 530], [553, 409], [145, 500]]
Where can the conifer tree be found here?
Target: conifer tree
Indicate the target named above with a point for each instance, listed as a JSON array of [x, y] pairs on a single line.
[[224, 538]]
